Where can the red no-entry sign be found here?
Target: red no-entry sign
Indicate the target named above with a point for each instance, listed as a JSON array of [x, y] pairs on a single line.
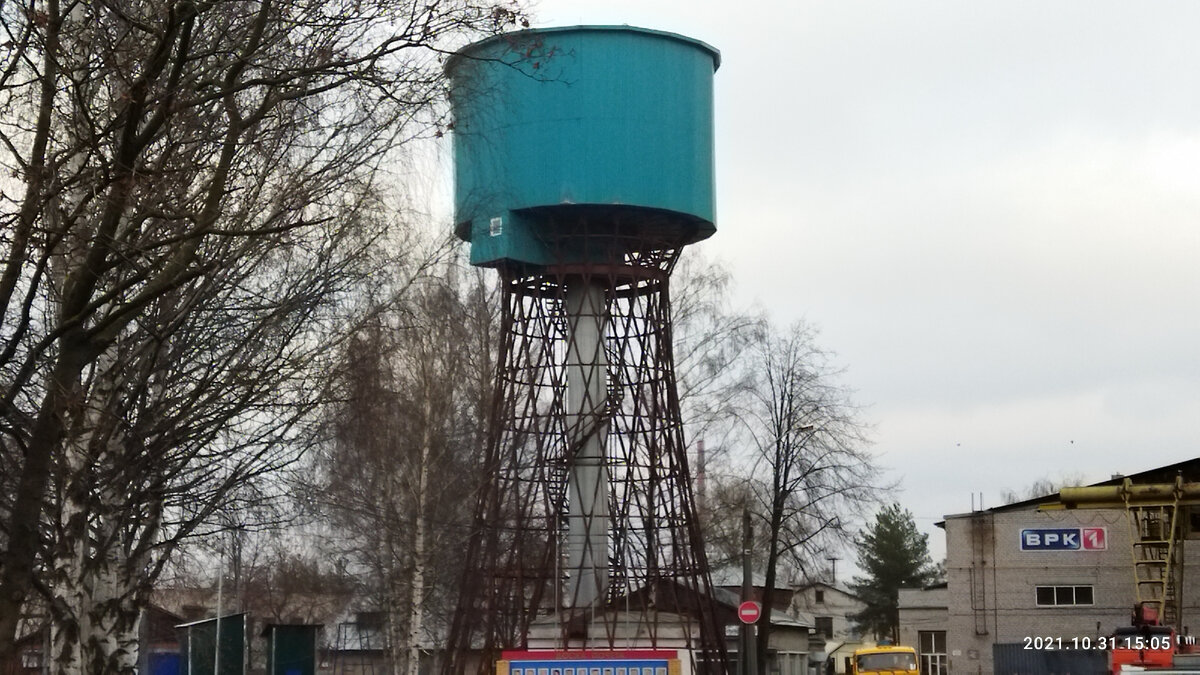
[[749, 611]]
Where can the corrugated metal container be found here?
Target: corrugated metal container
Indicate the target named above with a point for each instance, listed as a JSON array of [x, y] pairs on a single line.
[[198, 642], [291, 649], [581, 127]]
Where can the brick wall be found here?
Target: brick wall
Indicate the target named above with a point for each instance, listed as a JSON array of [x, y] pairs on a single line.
[[991, 592]]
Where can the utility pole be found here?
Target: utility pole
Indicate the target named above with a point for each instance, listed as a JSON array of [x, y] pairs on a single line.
[[748, 661]]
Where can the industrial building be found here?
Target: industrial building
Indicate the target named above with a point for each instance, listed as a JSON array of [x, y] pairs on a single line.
[[1039, 585]]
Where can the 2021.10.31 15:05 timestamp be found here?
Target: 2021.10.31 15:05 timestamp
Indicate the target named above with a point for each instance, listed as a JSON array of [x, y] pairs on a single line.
[[1149, 642]]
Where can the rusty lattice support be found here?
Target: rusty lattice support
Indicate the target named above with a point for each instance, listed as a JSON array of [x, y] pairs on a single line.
[[524, 570]]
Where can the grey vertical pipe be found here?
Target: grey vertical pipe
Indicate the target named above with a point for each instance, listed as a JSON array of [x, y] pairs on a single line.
[[587, 427]]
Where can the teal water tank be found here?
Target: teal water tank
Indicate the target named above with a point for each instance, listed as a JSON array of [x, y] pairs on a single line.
[[582, 144]]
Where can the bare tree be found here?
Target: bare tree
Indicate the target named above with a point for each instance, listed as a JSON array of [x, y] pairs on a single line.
[[1042, 487], [790, 445], [178, 429], [399, 474], [811, 470], [710, 336], [198, 205], [289, 586], [730, 494]]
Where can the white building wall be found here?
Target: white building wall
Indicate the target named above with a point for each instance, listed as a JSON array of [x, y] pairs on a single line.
[[922, 610], [836, 603]]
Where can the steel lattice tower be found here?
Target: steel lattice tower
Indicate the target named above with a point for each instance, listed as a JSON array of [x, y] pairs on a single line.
[[584, 166]]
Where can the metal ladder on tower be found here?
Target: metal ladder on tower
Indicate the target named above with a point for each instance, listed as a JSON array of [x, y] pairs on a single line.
[[1155, 530], [1160, 517]]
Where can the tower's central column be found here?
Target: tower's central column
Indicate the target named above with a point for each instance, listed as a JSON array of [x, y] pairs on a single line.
[[587, 428]]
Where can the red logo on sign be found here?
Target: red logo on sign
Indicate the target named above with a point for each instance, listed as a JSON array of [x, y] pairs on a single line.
[[1094, 538], [749, 611]]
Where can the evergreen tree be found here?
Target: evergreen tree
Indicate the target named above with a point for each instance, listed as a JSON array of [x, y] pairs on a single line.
[[894, 555]]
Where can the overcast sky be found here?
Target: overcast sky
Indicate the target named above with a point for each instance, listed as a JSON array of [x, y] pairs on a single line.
[[989, 209]]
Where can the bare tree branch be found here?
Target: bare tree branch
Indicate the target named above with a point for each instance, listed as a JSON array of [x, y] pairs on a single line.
[[201, 214]]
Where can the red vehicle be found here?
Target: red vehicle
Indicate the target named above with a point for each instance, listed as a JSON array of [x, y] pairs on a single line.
[[1148, 646]]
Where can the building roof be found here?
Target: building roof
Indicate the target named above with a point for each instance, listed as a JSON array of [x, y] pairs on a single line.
[[840, 588], [930, 597], [1189, 469], [213, 620], [731, 599], [731, 575]]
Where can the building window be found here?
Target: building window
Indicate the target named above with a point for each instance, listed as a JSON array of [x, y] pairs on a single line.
[[370, 619], [932, 647], [1057, 596], [1193, 525], [825, 626], [819, 595]]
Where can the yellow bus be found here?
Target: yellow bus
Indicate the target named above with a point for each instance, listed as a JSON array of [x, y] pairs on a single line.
[[888, 660]]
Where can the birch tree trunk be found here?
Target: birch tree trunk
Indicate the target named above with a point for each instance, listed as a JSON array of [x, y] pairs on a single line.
[[94, 601], [96, 626], [397, 638], [420, 522]]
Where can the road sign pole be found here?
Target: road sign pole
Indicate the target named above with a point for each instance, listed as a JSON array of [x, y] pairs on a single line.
[[748, 658]]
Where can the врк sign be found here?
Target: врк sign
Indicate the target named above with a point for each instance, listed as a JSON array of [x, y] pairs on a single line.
[[1064, 539]]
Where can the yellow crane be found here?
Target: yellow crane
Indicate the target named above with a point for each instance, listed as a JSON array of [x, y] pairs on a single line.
[[1158, 521]]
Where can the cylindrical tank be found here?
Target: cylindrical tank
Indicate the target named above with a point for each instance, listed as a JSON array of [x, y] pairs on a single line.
[[581, 144]]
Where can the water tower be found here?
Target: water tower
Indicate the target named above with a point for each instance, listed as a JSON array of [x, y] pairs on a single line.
[[584, 165]]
